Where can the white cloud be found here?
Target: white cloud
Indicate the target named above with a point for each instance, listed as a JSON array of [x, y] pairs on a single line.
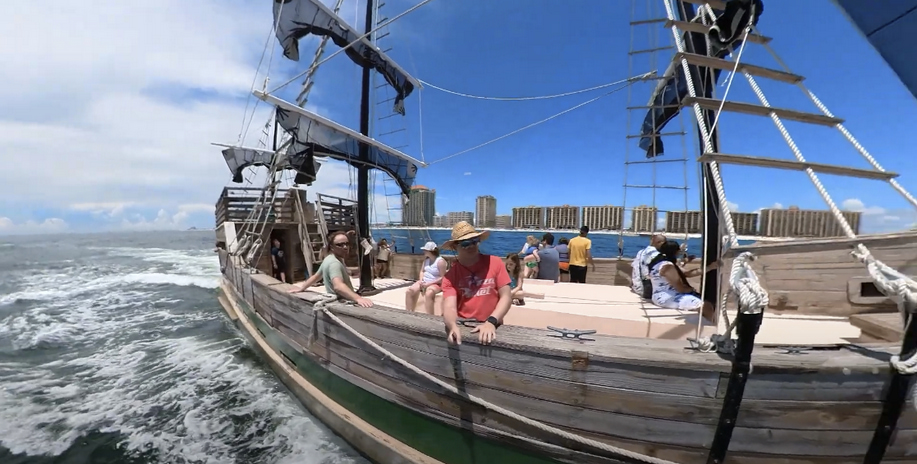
[[104, 106], [467, 173], [732, 206], [855, 204], [49, 225]]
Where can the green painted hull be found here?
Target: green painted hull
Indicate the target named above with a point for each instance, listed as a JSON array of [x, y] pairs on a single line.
[[451, 445]]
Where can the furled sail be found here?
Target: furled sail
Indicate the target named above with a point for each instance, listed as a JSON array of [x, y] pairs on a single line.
[[299, 18], [316, 136], [239, 158], [890, 27], [665, 101]]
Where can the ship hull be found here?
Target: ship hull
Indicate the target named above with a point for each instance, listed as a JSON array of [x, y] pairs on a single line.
[[644, 395]]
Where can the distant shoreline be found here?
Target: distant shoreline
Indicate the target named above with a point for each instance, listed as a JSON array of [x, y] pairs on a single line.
[[597, 232]]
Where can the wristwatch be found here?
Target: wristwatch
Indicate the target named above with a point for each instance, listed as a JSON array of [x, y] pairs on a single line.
[[494, 321]]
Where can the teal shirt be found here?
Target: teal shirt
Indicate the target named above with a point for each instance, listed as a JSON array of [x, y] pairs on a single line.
[[330, 268]]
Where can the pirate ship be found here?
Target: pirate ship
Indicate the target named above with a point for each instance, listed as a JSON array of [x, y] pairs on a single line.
[[630, 389]]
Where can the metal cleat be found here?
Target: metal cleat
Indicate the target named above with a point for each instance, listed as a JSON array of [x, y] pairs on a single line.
[[574, 334]]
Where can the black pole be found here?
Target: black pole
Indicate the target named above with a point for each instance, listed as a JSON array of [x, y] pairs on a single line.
[[366, 269], [895, 397]]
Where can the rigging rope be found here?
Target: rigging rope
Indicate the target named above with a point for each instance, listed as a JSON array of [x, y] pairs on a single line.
[[322, 306], [542, 97], [629, 82], [743, 281]]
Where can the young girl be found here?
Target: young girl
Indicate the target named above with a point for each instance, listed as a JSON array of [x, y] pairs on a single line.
[[514, 269], [529, 256], [382, 257]]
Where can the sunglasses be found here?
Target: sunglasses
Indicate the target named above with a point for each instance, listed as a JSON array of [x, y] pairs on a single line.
[[470, 242], [342, 245]]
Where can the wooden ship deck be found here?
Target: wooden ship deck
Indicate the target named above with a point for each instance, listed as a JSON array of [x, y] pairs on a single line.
[[811, 380], [815, 395]]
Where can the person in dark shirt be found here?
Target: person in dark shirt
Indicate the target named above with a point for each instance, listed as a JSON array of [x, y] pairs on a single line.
[[548, 259], [278, 261]]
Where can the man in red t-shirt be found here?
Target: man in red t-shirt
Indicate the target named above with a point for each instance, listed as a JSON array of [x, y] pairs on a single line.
[[476, 287]]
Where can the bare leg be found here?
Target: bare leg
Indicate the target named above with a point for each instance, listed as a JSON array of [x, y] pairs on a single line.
[[410, 297], [708, 311], [429, 298]]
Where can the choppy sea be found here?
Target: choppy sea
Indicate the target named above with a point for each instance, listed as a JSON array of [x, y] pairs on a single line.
[[113, 349]]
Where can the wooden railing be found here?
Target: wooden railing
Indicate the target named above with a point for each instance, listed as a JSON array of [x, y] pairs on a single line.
[[236, 204]]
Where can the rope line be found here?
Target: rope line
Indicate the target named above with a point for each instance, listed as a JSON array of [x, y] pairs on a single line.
[[322, 306], [541, 97], [629, 81], [743, 281]]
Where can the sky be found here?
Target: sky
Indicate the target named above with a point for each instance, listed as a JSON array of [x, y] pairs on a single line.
[[109, 112]]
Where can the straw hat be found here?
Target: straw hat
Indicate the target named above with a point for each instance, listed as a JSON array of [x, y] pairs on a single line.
[[464, 231]]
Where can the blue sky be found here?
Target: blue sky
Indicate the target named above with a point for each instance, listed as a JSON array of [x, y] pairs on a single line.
[[133, 149]]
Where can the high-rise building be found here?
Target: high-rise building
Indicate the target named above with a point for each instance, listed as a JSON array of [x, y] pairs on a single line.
[[528, 217], [485, 211], [603, 217], [439, 220], [562, 217], [455, 217], [795, 222], [684, 222], [644, 219], [504, 222], [745, 223], [419, 207]]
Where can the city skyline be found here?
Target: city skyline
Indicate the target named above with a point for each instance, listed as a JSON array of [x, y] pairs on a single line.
[[766, 222]]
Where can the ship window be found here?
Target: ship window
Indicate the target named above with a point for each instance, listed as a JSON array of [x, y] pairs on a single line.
[[869, 289]]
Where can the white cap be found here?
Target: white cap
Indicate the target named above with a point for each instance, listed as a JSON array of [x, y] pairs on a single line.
[[429, 246]]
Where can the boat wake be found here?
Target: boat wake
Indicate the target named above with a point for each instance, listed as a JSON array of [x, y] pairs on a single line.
[[132, 344]]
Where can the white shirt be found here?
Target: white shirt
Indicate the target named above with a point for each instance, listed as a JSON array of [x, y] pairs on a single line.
[[640, 269]]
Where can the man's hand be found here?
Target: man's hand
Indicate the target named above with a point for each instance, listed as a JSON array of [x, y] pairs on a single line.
[[486, 333], [294, 289], [454, 336], [365, 302]]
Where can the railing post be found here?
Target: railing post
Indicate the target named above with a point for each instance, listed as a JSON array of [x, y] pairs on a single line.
[[746, 329], [895, 397]]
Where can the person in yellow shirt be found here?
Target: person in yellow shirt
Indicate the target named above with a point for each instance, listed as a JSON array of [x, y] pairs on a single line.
[[580, 255]]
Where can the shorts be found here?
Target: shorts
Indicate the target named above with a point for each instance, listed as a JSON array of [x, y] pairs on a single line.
[[531, 264], [681, 301], [564, 267]]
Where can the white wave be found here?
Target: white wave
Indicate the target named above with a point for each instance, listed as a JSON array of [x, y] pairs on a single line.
[[158, 278], [184, 398]]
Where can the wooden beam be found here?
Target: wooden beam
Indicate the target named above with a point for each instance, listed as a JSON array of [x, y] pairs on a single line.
[[823, 244], [715, 4], [758, 110], [726, 65], [794, 165], [700, 28]]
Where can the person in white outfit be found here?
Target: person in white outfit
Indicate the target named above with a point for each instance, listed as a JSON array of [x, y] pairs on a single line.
[[640, 275], [430, 279], [670, 286]]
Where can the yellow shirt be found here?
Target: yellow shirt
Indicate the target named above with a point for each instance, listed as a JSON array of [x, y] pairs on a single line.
[[578, 247]]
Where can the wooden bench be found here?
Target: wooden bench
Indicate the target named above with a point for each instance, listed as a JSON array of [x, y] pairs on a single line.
[[884, 326]]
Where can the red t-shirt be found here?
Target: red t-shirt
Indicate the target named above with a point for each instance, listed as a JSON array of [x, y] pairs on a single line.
[[476, 288]]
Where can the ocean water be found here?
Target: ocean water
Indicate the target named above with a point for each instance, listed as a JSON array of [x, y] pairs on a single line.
[[501, 243], [113, 349]]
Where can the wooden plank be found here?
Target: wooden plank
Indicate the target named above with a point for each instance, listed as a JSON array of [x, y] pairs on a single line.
[[803, 246], [715, 4], [700, 28], [794, 165], [629, 427], [885, 326], [726, 65], [758, 110], [357, 316]]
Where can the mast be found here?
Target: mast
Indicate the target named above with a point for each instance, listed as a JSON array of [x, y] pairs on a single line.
[[366, 269]]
